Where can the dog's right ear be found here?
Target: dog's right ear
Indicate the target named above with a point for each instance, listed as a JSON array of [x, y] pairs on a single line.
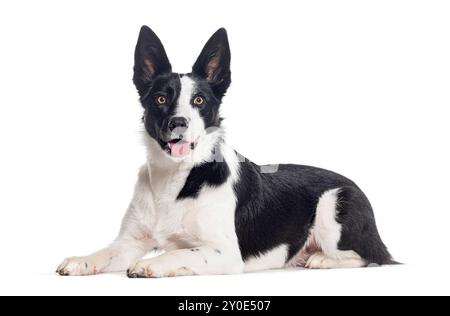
[[150, 60]]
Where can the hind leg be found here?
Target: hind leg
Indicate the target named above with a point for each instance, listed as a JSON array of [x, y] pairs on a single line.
[[321, 261], [326, 235], [344, 234]]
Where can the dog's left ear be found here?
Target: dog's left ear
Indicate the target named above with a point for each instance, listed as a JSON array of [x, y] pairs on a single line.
[[213, 64]]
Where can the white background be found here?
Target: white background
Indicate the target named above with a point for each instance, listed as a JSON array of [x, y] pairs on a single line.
[[359, 87]]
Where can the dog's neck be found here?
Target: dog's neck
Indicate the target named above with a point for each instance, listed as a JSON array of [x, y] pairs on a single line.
[[168, 177]]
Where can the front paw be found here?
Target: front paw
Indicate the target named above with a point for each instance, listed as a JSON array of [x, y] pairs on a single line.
[[141, 269], [151, 269], [77, 266]]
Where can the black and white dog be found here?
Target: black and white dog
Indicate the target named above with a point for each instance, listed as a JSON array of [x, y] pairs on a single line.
[[211, 210]]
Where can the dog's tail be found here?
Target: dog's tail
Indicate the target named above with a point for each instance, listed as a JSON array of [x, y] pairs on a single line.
[[393, 262], [389, 262]]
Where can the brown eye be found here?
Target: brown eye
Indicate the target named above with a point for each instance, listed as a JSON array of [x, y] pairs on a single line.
[[160, 100], [199, 101]]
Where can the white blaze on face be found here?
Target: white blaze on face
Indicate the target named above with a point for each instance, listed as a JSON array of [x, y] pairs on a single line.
[[185, 109]]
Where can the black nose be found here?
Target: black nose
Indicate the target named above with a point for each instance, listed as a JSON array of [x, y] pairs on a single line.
[[178, 122]]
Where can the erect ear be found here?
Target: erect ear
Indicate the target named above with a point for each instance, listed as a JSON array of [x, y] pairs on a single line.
[[213, 64], [150, 60]]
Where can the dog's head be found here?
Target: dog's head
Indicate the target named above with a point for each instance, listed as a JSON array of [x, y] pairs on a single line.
[[180, 110]]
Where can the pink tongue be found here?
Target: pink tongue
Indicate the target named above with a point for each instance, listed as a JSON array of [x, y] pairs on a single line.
[[180, 149]]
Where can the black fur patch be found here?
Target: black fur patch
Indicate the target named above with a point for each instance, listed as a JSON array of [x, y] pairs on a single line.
[[210, 173], [359, 230], [156, 117], [279, 208]]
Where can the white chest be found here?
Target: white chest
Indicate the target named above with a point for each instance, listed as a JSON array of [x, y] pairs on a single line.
[[185, 223], [168, 216]]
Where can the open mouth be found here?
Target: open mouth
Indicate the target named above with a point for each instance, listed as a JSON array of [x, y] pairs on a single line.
[[179, 148]]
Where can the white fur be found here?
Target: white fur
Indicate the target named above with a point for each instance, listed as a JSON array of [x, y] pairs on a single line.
[[327, 231], [185, 109], [273, 259]]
